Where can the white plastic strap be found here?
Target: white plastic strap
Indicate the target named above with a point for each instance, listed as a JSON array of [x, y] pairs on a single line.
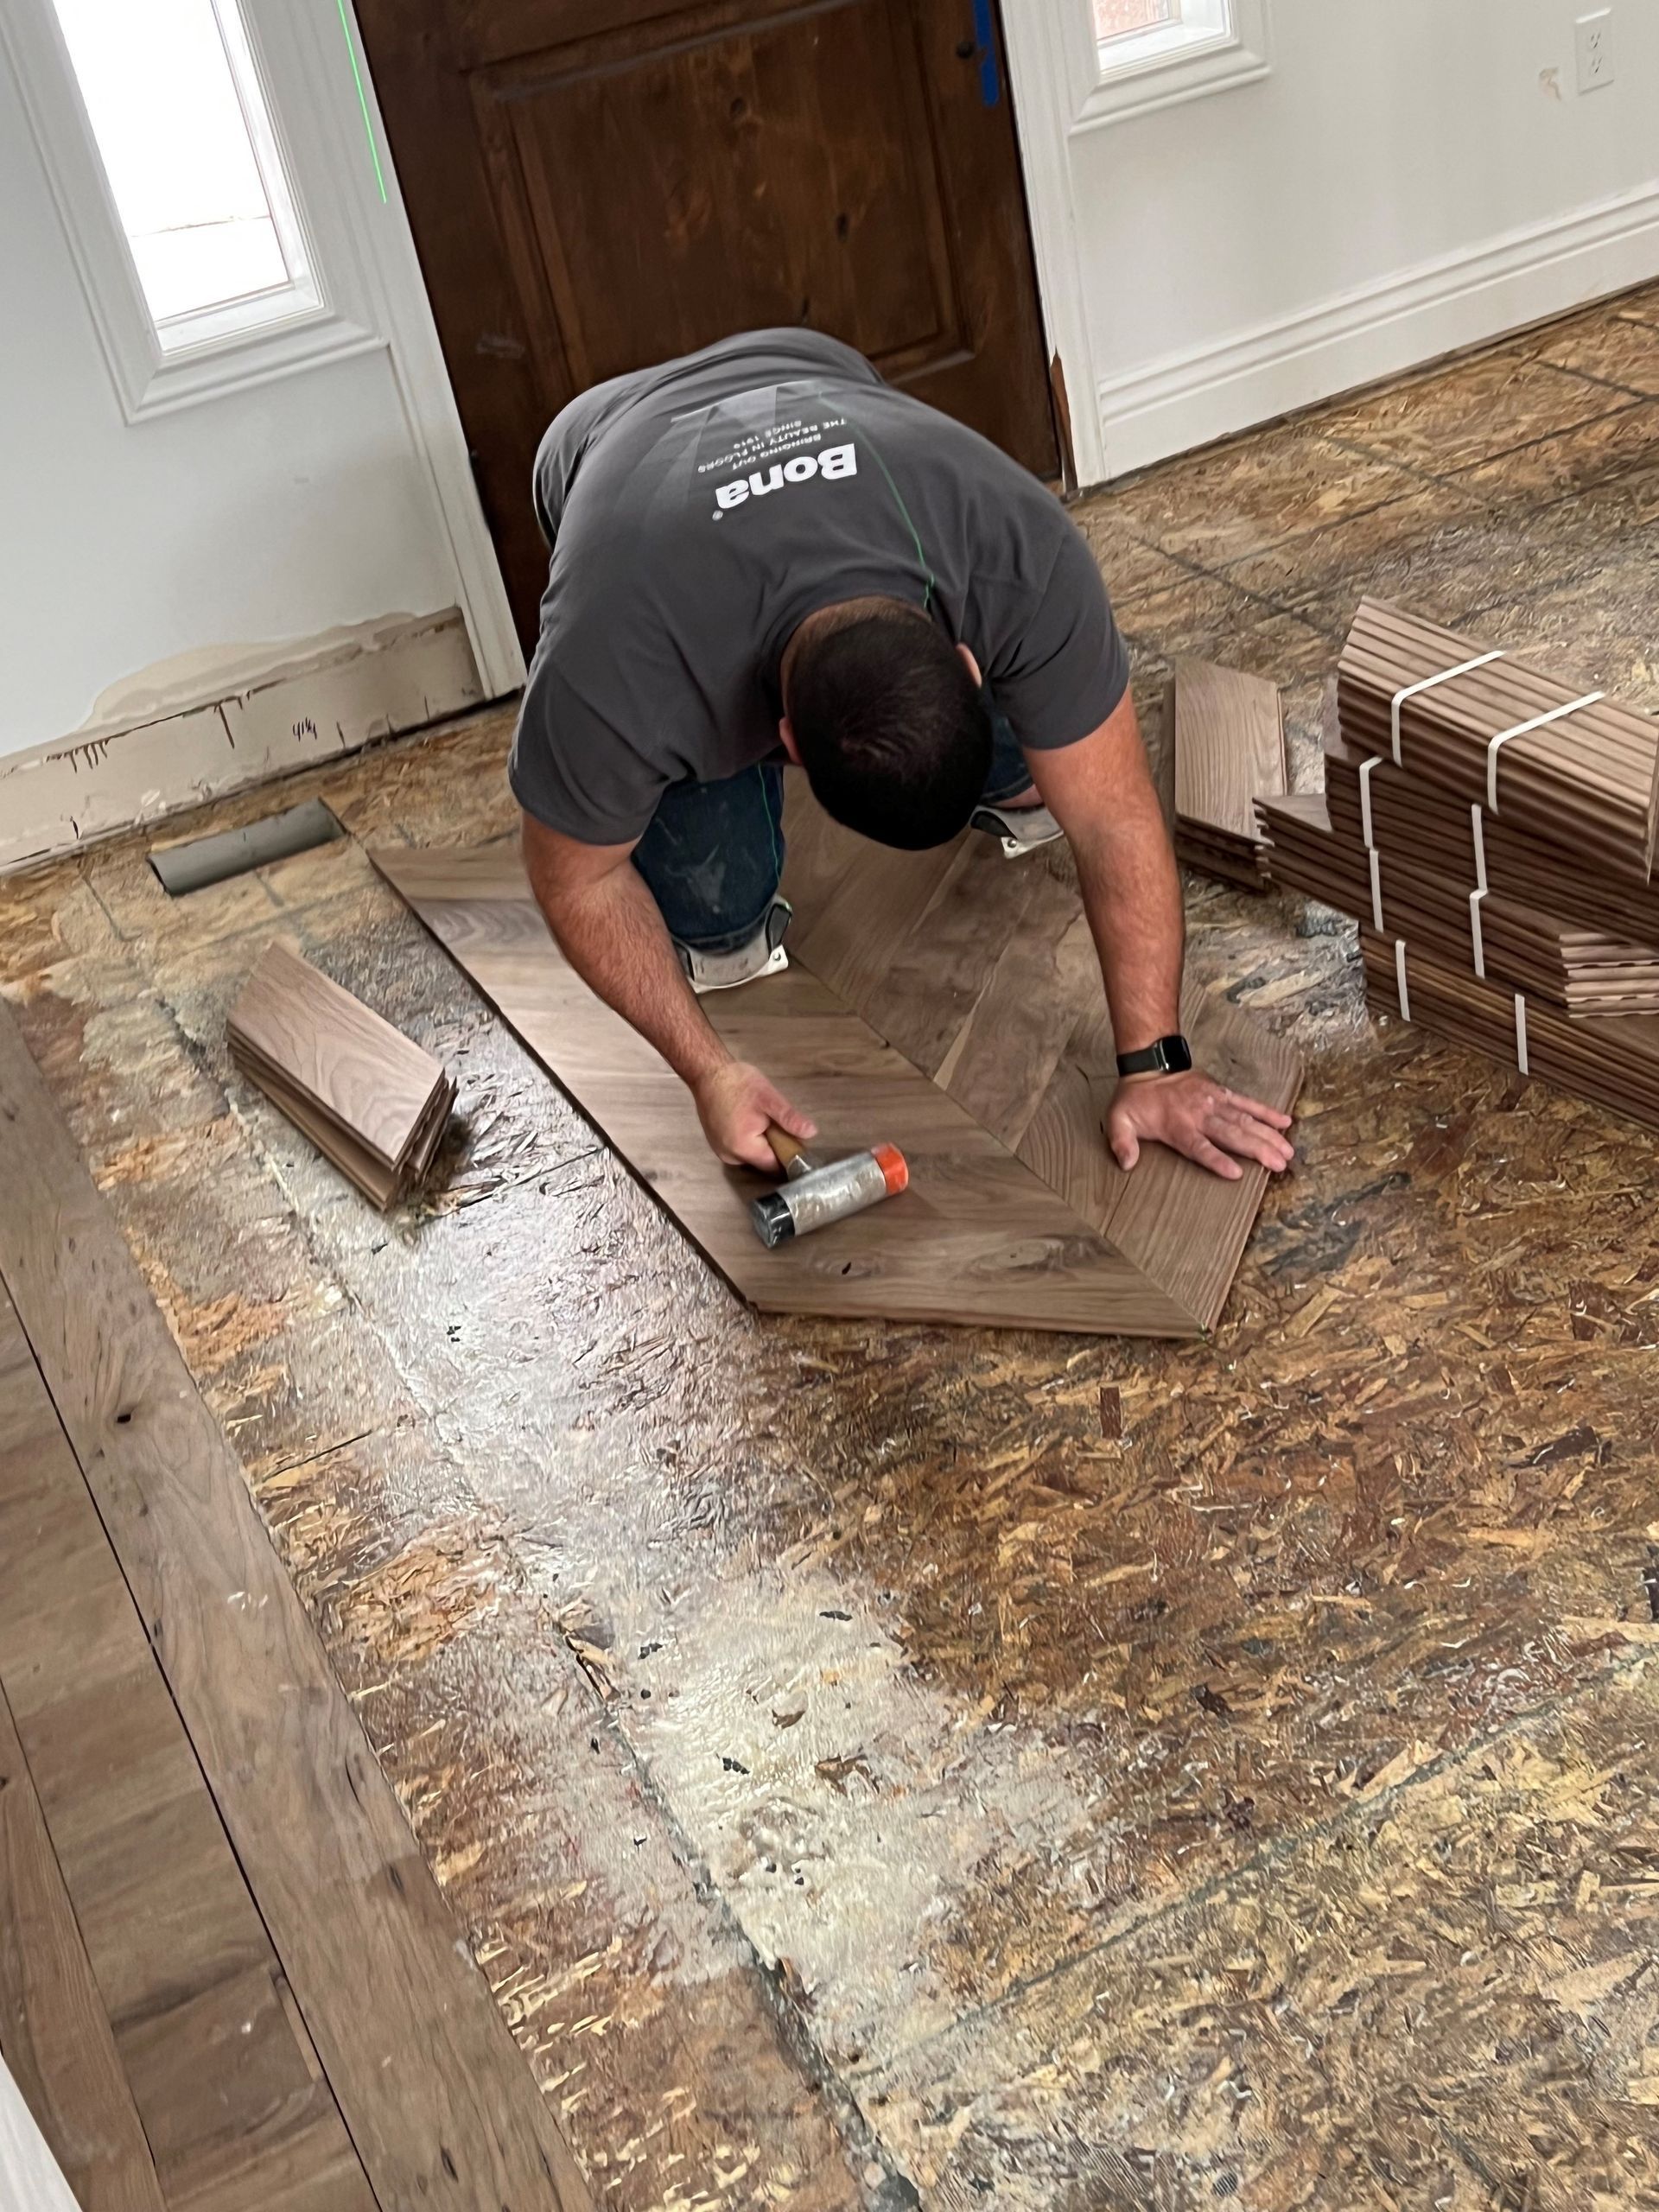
[[1480, 847], [1400, 978], [1524, 729], [1475, 897], [1429, 684], [1365, 768], [1521, 1034], [1377, 891]]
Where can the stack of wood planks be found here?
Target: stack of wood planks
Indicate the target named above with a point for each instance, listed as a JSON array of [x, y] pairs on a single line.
[[1492, 829], [1228, 735], [369, 1100]]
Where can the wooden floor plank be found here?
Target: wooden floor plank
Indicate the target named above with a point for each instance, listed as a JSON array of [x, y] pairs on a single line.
[[54, 2031], [1228, 750], [55, 2035], [976, 1237], [377, 1084], [228, 2087], [440, 2105], [995, 978]]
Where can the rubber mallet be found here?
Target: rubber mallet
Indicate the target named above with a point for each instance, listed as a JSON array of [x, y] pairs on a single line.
[[814, 1195]]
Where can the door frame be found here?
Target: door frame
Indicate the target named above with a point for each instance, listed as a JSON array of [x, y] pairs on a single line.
[[1039, 39], [396, 288]]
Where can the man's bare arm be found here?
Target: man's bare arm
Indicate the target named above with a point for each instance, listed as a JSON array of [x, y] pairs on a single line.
[[607, 926], [1101, 793]]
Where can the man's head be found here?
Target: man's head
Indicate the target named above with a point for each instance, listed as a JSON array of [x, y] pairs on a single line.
[[888, 719]]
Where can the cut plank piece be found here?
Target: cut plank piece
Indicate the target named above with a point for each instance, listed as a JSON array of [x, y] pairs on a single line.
[[983, 1235], [440, 2105], [1229, 735], [384, 1185], [226, 2085], [370, 1100]]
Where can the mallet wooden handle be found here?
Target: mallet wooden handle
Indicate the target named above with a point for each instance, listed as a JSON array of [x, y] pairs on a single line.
[[785, 1149]]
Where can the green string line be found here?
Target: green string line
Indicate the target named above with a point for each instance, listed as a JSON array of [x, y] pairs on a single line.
[[362, 100]]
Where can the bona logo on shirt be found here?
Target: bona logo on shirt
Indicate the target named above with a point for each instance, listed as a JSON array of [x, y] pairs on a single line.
[[834, 460]]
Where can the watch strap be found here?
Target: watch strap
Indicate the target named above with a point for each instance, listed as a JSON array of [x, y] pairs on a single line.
[[1169, 1056]]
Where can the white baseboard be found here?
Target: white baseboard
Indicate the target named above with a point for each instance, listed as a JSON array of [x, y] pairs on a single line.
[[1188, 399], [306, 705]]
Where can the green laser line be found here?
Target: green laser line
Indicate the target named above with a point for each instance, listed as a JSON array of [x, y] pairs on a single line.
[[362, 100]]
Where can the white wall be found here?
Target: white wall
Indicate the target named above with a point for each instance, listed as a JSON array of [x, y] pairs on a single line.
[[250, 522], [1402, 182]]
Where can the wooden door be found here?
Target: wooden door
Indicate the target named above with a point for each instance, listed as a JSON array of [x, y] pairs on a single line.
[[596, 185]]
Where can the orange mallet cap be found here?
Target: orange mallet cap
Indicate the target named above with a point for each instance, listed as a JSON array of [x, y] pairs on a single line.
[[893, 1166]]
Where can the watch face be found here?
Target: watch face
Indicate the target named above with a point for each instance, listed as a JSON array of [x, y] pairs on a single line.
[[1176, 1055]]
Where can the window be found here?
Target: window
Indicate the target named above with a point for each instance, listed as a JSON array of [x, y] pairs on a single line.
[[1131, 55], [187, 144], [170, 132], [1137, 33]]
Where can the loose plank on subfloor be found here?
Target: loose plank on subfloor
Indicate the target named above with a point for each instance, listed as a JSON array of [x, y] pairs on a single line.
[[55, 2036], [226, 2085], [440, 2104], [1229, 736], [977, 1237], [377, 1084]]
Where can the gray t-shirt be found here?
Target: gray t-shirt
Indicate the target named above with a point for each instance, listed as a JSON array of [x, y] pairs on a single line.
[[699, 511]]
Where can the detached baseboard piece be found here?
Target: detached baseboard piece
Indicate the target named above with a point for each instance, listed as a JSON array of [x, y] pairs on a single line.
[[311, 704]]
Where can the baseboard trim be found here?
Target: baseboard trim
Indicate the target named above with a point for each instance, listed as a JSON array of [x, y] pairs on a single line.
[[310, 704], [1188, 399]]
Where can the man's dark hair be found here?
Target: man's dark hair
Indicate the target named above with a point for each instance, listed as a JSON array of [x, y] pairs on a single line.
[[893, 731]]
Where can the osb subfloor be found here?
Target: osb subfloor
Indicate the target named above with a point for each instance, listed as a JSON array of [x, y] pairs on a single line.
[[881, 1764]]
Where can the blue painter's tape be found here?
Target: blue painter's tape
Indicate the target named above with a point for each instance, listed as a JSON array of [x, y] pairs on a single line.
[[990, 77]]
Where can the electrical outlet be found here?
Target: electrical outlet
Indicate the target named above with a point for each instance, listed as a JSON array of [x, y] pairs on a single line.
[[1595, 38]]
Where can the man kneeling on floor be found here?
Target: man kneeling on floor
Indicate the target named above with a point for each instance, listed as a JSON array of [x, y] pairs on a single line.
[[763, 554]]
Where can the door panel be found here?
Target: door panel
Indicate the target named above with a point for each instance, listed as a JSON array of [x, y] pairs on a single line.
[[595, 185]]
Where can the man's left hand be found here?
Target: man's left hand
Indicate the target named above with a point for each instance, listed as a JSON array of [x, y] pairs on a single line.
[[1192, 1114]]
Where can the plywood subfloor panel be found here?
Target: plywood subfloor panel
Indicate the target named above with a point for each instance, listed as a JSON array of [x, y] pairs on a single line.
[[977, 1236], [438, 2100]]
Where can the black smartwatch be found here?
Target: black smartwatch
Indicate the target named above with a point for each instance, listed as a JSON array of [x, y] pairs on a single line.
[[1169, 1056]]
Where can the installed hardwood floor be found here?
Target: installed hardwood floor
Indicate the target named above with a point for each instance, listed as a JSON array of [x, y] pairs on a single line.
[[983, 973], [978, 1232], [298, 2029], [55, 2036], [183, 2035], [948, 1002]]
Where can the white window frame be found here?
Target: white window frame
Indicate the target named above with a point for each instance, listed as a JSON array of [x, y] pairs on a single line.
[[323, 314], [1220, 44]]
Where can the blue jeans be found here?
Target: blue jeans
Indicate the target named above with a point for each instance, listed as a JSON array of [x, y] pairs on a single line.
[[714, 853]]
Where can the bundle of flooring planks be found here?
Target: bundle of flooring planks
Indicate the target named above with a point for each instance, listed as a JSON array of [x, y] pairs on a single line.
[[369, 1100], [1227, 733], [1491, 828]]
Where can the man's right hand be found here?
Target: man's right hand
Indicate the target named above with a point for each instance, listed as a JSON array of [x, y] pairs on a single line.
[[734, 1103]]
